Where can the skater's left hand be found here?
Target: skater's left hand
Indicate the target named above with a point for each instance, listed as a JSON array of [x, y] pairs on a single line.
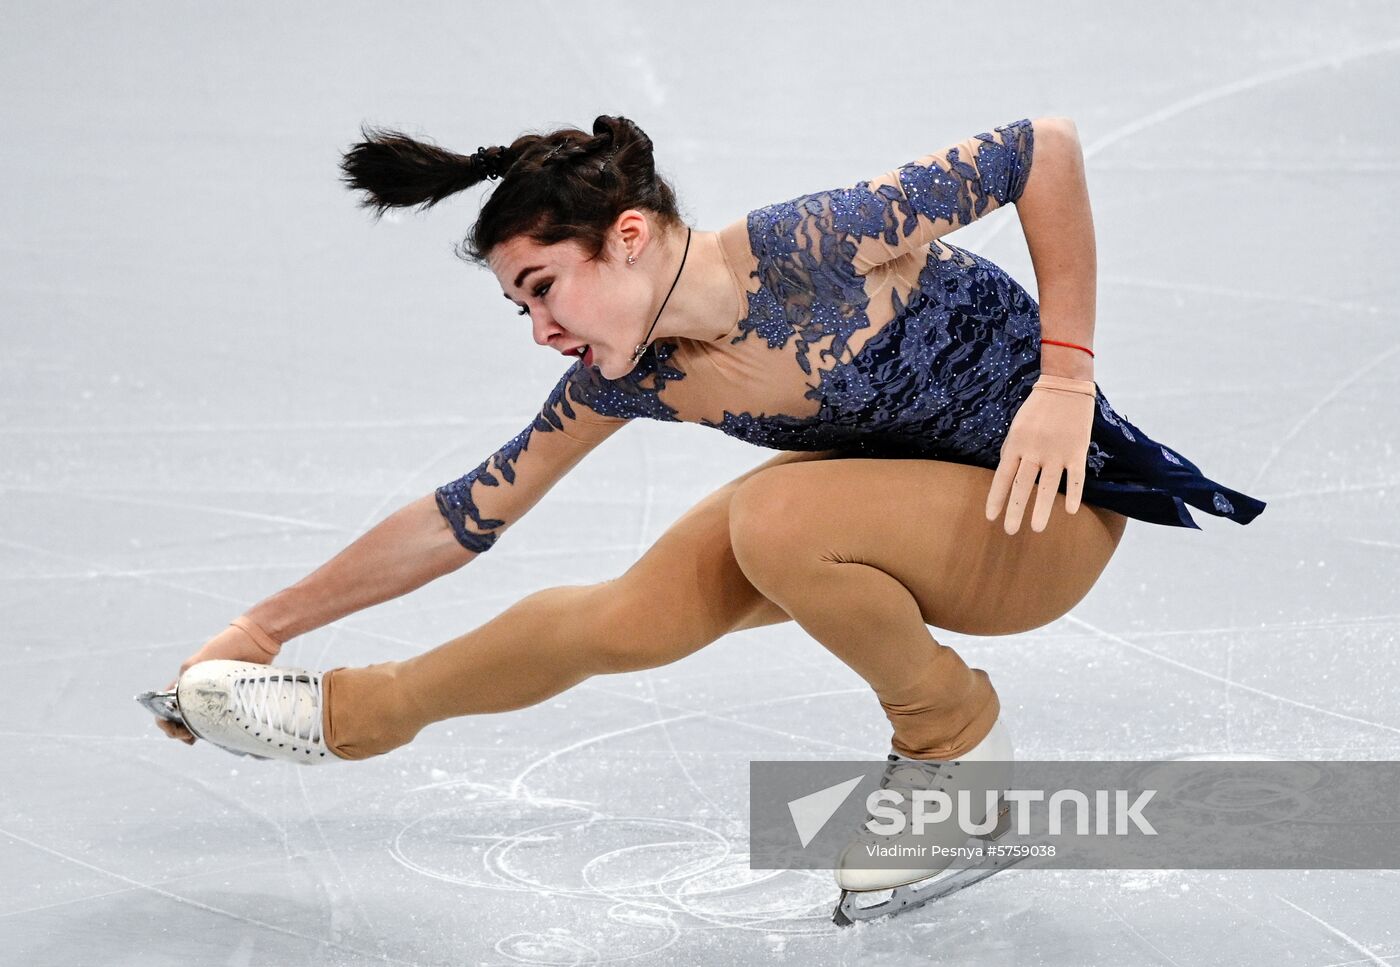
[[1049, 436], [233, 643]]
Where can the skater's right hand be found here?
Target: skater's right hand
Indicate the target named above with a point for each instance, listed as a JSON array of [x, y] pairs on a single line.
[[233, 643]]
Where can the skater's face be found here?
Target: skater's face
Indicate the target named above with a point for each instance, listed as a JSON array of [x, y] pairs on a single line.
[[572, 302]]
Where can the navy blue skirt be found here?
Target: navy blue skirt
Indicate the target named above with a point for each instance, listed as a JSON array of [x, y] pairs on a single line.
[[1133, 474]]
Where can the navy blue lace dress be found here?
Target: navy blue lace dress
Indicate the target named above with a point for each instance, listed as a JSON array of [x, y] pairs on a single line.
[[858, 331]]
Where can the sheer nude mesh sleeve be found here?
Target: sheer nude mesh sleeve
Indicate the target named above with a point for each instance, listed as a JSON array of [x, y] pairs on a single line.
[[481, 504], [946, 190], [873, 222]]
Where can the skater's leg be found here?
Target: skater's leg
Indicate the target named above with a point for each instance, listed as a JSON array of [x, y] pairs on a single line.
[[683, 593], [865, 553]]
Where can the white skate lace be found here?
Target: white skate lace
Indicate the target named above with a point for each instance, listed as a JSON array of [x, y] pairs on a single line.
[[905, 776], [261, 700]]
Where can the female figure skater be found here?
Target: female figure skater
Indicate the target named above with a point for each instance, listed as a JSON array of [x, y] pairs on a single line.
[[916, 390]]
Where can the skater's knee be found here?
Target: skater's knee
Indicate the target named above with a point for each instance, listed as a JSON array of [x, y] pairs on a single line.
[[766, 521]]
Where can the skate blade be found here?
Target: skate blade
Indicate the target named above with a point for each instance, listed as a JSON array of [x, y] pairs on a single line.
[[849, 909], [162, 705], [165, 705]]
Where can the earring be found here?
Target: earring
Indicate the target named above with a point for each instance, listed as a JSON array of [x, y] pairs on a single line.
[[631, 259]]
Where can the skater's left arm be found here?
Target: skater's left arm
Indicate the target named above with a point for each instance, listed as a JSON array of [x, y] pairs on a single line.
[[1050, 431], [1059, 229], [901, 212]]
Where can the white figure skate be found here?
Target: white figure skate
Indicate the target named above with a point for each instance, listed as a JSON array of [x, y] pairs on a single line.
[[249, 709], [863, 889]]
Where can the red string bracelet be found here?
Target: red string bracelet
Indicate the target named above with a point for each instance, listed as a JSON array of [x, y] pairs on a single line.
[[1056, 342]]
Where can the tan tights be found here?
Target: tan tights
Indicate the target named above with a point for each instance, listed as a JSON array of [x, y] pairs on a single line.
[[864, 554]]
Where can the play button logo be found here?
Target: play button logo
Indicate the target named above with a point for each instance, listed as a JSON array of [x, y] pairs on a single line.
[[810, 812]]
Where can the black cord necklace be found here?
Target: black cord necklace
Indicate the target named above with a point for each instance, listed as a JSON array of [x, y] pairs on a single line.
[[642, 346]]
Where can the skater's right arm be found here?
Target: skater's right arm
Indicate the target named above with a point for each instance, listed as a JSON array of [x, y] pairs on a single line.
[[440, 532]]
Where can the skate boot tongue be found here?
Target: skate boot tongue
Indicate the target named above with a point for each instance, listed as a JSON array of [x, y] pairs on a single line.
[[906, 775]]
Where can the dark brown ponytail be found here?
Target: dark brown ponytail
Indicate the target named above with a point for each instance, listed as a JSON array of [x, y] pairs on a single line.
[[554, 187]]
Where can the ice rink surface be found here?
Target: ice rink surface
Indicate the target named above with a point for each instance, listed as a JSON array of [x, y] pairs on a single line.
[[216, 372]]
